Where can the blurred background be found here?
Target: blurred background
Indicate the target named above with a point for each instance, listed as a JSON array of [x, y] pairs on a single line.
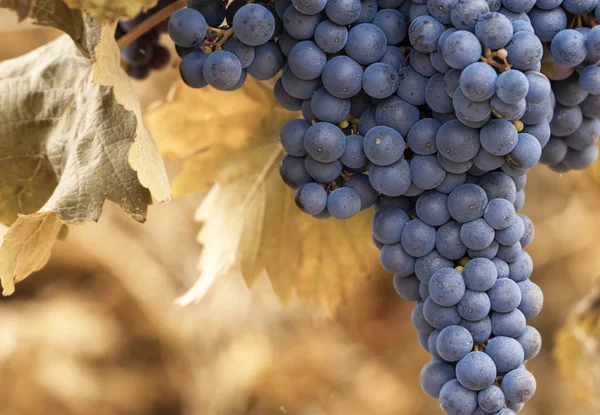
[[96, 331]]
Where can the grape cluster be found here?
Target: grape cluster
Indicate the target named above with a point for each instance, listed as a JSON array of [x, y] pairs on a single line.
[[145, 53], [433, 112], [223, 57]]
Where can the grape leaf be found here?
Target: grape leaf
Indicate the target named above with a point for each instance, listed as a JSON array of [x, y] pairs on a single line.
[[250, 222], [578, 346], [70, 133], [112, 10]]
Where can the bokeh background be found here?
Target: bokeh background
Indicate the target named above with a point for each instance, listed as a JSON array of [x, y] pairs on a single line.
[[96, 331]]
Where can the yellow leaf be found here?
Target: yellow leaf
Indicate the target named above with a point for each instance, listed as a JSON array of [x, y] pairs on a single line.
[[26, 247], [578, 347], [71, 136], [112, 10], [251, 224]]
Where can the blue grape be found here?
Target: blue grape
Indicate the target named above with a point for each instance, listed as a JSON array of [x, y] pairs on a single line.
[[466, 13], [579, 160], [432, 341], [540, 131], [554, 152], [343, 12], [480, 330], [522, 26], [296, 87], [506, 353], [421, 137], [476, 371], [521, 268], [360, 103], [439, 316], [407, 287], [395, 113], [311, 198], [424, 32], [537, 113], [505, 295], [281, 96], [593, 47], [471, 113], [477, 234], [280, 6], [242, 51], [501, 267], [446, 287], [434, 376], [467, 203], [579, 6], [455, 399], [379, 80], [324, 142], [424, 293], [514, 16], [440, 10], [383, 145], [306, 60], [474, 305], [300, 26], [293, 172], [368, 9], [417, 10], [323, 172], [412, 86], [190, 69], [539, 87], [547, 23], [531, 341], [457, 142], [518, 385], [418, 320], [499, 213], [306, 111], [511, 324], [451, 81], [512, 86], [589, 79], [491, 399], [138, 53], [343, 203], [478, 81], [418, 238], [532, 298], [427, 265], [438, 62], [353, 156], [388, 225], [187, 27], [330, 37], [222, 69], [526, 153], [435, 95], [586, 135], [393, 23], [568, 48], [253, 24], [426, 172], [286, 43], [519, 200], [342, 77], [527, 237], [309, 7], [461, 49], [292, 137], [366, 43], [448, 242], [510, 112], [395, 260], [360, 183], [328, 108], [525, 50], [366, 121], [489, 252], [486, 161], [268, 60], [454, 342], [213, 11], [392, 180], [569, 92], [480, 274], [513, 233], [421, 63], [548, 4], [394, 57], [590, 107], [510, 253], [431, 208]]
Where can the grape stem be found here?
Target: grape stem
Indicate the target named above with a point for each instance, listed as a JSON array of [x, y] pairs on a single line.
[[150, 23]]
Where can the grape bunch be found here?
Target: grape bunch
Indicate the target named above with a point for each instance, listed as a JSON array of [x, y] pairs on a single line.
[[144, 54], [432, 112]]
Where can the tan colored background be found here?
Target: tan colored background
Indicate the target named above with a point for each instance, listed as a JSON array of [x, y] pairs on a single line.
[[96, 331]]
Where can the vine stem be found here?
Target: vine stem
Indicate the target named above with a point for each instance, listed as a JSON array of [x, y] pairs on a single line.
[[150, 22]]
